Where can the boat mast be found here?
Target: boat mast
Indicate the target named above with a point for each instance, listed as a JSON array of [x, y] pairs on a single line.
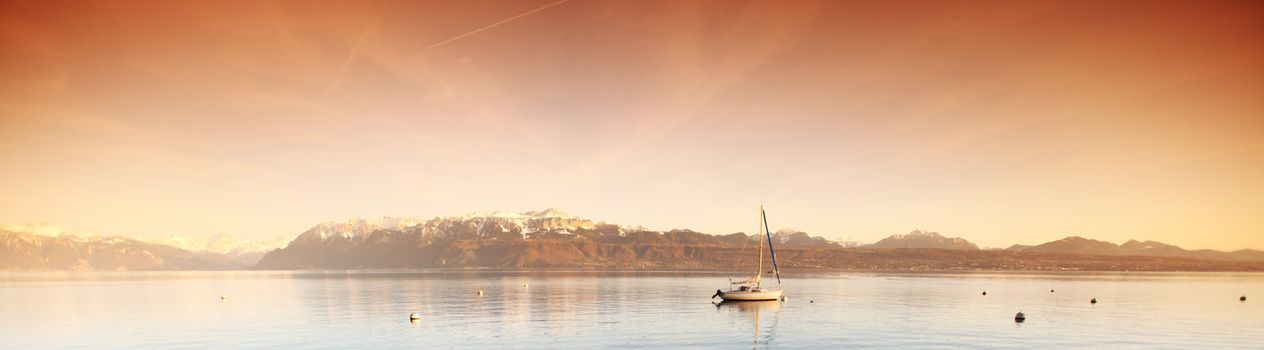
[[759, 271], [776, 270]]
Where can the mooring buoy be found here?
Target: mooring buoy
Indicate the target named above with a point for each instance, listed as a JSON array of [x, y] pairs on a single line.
[[1050, 291], [1020, 317], [985, 292], [1242, 298]]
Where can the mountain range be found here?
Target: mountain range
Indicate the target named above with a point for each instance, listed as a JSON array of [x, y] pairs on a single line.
[[248, 252], [1073, 245], [1085, 246], [40, 247], [553, 239], [545, 238], [29, 251]]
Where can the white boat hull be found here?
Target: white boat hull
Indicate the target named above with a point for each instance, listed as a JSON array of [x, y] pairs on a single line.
[[749, 295]]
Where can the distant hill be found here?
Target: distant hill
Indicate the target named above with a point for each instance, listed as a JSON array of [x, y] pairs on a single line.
[[33, 252], [1017, 248], [1077, 245], [1084, 246], [921, 239]]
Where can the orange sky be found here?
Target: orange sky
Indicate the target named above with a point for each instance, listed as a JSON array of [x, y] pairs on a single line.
[[1001, 122]]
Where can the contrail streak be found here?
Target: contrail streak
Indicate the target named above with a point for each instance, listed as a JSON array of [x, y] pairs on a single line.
[[489, 26], [355, 49]]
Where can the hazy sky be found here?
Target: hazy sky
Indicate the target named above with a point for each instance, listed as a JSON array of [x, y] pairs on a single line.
[[1000, 122]]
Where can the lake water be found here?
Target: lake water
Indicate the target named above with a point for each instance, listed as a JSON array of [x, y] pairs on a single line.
[[584, 310]]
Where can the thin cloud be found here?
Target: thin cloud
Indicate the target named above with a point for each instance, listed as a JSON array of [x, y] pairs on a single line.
[[351, 56], [490, 26]]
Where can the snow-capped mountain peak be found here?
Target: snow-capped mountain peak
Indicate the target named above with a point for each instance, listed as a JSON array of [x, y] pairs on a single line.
[[472, 225], [924, 239], [52, 231], [359, 226], [549, 213]]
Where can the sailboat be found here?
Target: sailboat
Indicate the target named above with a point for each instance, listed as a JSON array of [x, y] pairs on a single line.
[[751, 289]]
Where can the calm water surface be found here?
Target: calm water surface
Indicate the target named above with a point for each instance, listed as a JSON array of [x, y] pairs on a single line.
[[580, 310]]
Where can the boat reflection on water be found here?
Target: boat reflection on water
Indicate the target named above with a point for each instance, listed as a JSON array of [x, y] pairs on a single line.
[[751, 306], [771, 310]]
